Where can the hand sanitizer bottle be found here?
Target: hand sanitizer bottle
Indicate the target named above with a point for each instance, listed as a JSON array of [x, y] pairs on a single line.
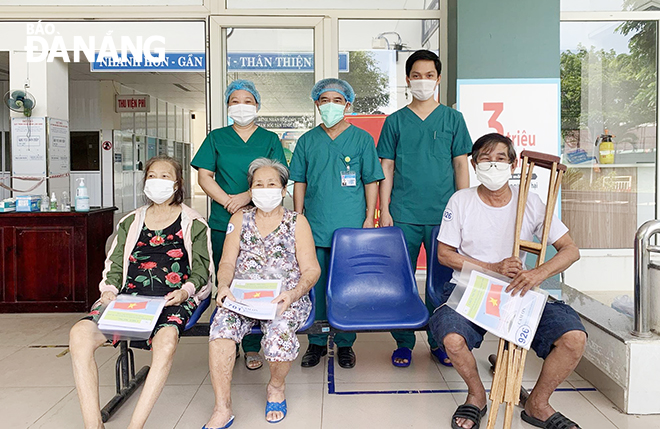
[[53, 202], [82, 198]]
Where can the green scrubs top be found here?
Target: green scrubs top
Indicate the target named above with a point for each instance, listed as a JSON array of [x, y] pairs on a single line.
[[225, 153], [423, 152], [319, 161]]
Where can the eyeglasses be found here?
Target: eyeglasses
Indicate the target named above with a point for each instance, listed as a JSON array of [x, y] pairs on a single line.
[[487, 165]]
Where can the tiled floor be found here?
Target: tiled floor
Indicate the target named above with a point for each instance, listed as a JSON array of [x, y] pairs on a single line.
[[37, 389]]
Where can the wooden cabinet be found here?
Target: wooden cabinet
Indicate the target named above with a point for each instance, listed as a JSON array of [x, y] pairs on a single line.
[[52, 262]]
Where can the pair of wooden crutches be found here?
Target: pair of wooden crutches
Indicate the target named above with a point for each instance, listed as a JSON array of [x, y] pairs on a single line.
[[510, 363]]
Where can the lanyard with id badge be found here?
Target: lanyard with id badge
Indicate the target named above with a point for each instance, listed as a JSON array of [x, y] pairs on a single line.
[[348, 177]]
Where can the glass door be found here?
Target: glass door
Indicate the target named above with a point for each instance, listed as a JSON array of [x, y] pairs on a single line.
[[138, 172], [282, 56]]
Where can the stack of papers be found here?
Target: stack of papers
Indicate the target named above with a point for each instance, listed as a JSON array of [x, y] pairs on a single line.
[[131, 317], [486, 303], [253, 298]]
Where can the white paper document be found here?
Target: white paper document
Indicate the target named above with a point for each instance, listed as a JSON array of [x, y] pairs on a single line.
[[131, 317], [253, 298], [513, 318]]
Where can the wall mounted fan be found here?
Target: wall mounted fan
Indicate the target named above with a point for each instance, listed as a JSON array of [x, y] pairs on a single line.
[[19, 100]]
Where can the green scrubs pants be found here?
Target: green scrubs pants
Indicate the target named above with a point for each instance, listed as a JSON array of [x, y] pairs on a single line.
[[415, 236], [342, 339], [250, 343]]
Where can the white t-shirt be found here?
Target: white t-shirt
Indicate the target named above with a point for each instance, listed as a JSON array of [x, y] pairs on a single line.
[[486, 233]]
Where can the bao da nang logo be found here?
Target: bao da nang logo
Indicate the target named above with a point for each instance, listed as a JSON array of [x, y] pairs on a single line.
[[44, 43]]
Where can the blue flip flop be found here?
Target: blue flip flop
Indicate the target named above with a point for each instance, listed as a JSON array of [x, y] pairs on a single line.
[[441, 356], [276, 406], [402, 353], [229, 423]]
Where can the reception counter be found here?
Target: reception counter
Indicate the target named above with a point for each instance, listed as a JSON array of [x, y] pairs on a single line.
[[52, 262]]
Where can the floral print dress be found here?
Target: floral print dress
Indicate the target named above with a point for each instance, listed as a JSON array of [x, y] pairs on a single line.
[[158, 265], [270, 257]]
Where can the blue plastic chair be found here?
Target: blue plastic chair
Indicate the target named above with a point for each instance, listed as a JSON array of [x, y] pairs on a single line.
[[201, 308], [371, 283], [256, 329], [436, 273]]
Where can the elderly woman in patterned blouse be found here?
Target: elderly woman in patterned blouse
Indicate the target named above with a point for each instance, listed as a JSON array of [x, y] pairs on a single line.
[[265, 242]]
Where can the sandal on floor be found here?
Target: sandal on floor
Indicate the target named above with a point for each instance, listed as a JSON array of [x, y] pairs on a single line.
[[441, 356], [276, 406], [249, 359], [402, 353], [229, 423], [469, 412], [555, 421]]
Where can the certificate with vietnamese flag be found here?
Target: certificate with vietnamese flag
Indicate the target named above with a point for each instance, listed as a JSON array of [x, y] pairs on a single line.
[[486, 303], [253, 298], [131, 316]]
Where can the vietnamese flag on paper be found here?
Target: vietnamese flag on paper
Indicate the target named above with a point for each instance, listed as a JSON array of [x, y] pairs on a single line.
[[493, 300], [131, 305], [260, 294]]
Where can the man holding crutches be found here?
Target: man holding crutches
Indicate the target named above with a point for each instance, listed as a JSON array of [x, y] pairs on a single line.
[[478, 227]]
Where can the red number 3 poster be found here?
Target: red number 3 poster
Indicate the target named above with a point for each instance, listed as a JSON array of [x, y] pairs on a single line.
[[525, 110]]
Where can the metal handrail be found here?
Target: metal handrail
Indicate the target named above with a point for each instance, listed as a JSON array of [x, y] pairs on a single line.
[[643, 249]]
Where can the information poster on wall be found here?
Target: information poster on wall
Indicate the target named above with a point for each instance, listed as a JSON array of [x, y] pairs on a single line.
[[525, 110], [59, 155], [28, 151]]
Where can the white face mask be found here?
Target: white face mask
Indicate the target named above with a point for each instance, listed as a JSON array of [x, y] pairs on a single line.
[[267, 199], [423, 89], [493, 175], [242, 114], [159, 190]]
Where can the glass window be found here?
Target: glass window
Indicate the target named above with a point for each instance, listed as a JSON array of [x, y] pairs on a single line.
[[376, 65], [179, 124], [282, 69], [333, 4], [162, 119], [141, 123], [605, 5], [171, 121], [609, 140], [152, 119]]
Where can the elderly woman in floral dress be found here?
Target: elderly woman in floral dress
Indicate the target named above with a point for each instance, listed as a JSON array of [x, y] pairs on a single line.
[[161, 249], [265, 242]]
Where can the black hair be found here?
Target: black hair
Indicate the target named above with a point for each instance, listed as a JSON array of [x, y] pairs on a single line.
[[424, 55], [487, 142], [178, 170]]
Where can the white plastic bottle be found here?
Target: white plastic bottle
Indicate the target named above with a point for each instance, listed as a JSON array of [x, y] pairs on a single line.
[[82, 197]]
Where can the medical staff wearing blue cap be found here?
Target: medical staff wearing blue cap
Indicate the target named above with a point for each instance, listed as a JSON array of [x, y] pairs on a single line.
[[222, 162], [336, 172]]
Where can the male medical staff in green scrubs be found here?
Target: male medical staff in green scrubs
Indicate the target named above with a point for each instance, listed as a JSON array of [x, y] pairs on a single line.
[[336, 172], [222, 163], [423, 149]]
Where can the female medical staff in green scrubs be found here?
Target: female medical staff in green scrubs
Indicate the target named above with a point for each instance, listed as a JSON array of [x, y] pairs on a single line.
[[423, 149], [336, 172], [222, 163]]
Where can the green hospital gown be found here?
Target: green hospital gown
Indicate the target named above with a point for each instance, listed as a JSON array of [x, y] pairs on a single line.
[[318, 161], [423, 152], [228, 156]]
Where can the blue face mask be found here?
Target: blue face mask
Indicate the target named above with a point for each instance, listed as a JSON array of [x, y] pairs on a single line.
[[331, 113]]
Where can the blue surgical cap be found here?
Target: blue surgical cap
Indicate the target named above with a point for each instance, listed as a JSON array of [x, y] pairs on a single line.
[[335, 85], [245, 85]]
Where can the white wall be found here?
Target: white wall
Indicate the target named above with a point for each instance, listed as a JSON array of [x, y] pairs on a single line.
[[85, 105]]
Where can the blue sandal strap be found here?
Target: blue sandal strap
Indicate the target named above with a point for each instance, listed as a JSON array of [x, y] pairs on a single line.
[[276, 406], [402, 353]]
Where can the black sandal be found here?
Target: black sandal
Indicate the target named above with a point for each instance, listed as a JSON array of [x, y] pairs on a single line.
[[470, 412], [555, 421]]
